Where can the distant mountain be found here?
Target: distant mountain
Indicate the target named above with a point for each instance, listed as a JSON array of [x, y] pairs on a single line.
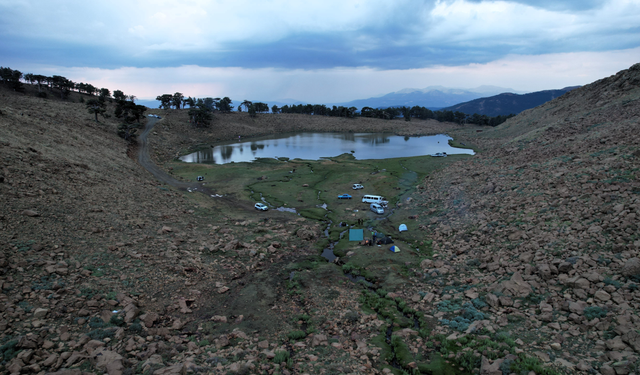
[[508, 103], [432, 97]]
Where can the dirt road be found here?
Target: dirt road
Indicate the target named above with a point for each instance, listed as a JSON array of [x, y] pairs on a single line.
[[145, 160]]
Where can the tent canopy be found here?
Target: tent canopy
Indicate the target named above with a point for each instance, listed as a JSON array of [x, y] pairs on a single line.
[[394, 249], [356, 235], [385, 241], [403, 227]]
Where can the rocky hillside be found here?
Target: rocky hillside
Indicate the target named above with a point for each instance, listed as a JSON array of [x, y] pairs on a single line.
[[543, 227]]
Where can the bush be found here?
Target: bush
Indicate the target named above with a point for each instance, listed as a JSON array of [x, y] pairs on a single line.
[[135, 327], [281, 356], [42, 94], [117, 320], [593, 312], [296, 335], [96, 322]]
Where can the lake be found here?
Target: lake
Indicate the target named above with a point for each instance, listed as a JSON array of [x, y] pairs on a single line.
[[315, 146]]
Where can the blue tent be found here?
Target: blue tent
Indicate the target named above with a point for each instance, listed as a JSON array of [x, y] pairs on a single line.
[[356, 235], [403, 227], [394, 249]]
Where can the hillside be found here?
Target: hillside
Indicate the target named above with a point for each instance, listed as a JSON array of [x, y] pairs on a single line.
[[508, 103], [528, 251]]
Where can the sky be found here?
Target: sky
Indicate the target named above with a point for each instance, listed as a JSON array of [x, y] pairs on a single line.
[[319, 51]]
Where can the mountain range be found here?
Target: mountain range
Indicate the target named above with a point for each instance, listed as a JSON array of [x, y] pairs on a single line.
[[432, 97], [508, 103]]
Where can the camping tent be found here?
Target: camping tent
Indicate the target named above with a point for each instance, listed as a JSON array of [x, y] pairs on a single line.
[[394, 249], [403, 227], [356, 235], [385, 241]]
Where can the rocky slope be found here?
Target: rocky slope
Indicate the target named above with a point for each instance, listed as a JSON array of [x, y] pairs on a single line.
[[543, 227]]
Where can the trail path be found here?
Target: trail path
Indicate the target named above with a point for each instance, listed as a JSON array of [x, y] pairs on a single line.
[[145, 160]]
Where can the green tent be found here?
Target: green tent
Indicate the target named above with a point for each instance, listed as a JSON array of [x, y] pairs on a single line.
[[356, 235], [394, 249]]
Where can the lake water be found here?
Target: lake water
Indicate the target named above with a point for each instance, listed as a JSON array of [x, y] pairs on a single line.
[[314, 146]]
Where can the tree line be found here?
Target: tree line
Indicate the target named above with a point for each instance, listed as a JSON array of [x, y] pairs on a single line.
[[125, 108]]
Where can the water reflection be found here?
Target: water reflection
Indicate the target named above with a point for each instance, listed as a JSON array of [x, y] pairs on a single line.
[[313, 146]]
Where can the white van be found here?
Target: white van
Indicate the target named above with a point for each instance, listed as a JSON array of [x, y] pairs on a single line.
[[376, 208], [374, 199], [357, 186]]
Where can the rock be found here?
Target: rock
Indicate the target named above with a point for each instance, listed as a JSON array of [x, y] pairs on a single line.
[[556, 346], [631, 267], [155, 359], [51, 359], [178, 369], [578, 283], [488, 368], [429, 297], [183, 306], [108, 361], [263, 344], [565, 267], [219, 318], [223, 289], [221, 342], [607, 370], [178, 324], [564, 363], [602, 295], [492, 300], [92, 345], [544, 271], [106, 315], [622, 367], [149, 319], [305, 234], [15, 366], [615, 344], [164, 230], [319, 340], [577, 307], [30, 213], [40, 313], [130, 311]]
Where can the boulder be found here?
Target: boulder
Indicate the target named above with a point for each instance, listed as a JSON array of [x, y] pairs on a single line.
[[319, 340], [631, 267]]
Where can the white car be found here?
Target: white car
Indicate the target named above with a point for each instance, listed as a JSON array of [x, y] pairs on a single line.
[[261, 206], [357, 186], [440, 154]]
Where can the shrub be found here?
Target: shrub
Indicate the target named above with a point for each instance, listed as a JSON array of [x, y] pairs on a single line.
[[281, 356], [135, 327], [593, 312], [117, 320], [296, 335], [96, 322], [7, 351]]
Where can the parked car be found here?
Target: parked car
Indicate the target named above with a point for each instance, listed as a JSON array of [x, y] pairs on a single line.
[[376, 208], [344, 196], [261, 206], [200, 178], [357, 187], [440, 155]]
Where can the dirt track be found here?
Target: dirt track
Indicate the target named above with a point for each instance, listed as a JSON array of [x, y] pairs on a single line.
[[149, 165]]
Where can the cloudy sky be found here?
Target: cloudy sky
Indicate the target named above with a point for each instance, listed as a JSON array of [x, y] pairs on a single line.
[[319, 51]]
